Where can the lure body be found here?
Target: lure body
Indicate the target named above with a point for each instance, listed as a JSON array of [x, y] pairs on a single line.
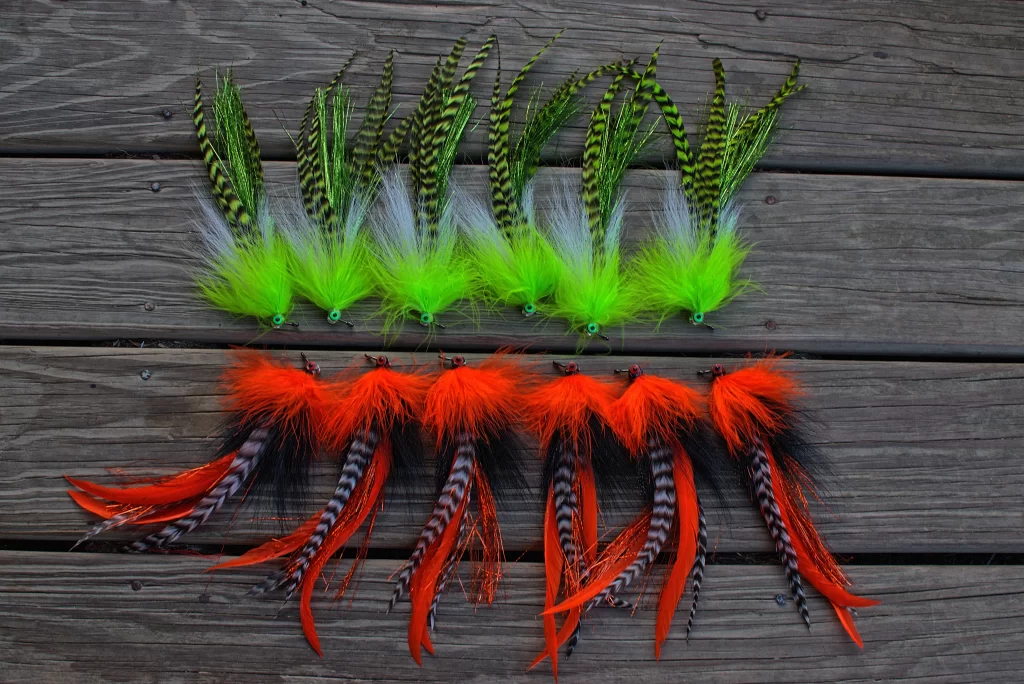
[[753, 410], [472, 412], [244, 258], [586, 227], [693, 262], [421, 267], [338, 181], [570, 418], [273, 436]]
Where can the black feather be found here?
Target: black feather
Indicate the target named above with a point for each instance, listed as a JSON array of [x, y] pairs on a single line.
[[282, 474], [707, 451], [500, 456]]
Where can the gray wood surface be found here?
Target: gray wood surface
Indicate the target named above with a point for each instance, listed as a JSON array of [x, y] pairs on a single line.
[[75, 618], [923, 86], [847, 265], [924, 454]]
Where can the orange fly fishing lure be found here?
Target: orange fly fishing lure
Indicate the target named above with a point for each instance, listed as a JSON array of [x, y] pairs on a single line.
[[472, 412], [661, 424], [753, 410], [570, 417], [374, 423], [272, 437]]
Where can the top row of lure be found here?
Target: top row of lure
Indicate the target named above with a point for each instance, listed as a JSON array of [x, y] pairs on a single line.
[[422, 245]]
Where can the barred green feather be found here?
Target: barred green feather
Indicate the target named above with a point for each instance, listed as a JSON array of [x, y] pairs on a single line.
[[220, 182], [231, 140], [708, 178]]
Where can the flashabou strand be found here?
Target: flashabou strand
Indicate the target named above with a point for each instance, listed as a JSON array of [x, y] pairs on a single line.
[[662, 515], [761, 478], [246, 458], [448, 502], [698, 564]]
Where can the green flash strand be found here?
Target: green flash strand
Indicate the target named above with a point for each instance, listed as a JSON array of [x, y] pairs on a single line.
[[220, 182], [231, 140]]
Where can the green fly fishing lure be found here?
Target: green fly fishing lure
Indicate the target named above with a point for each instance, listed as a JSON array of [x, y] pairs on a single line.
[[331, 259], [245, 259], [585, 227], [515, 262], [421, 267], [693, 262]]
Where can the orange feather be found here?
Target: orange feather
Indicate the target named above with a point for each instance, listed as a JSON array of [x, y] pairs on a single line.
[[566, 404], [686, 528], [275, 548], [423, 587], [361, 504], [745, 402], [653, 404], [185, 485], [554, 563], [479, 400]]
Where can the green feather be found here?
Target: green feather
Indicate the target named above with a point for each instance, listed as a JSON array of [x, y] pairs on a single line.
[[697, 276], [331, 271], [232, 142], [251, 279]]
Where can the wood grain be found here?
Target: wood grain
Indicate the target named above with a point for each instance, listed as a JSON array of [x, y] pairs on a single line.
[[924, 456], [75, 618], [925, 86], [847, 265]]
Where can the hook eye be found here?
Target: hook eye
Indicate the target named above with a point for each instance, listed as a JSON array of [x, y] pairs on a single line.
[[310, 367]]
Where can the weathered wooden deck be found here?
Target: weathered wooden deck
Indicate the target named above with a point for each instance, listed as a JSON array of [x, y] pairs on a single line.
[[890, 246]]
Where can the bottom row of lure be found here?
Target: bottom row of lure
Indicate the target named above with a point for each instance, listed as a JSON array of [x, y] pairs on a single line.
[[283, 418]]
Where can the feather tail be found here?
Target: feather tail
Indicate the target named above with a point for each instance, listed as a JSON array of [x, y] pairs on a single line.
[[190, 483], [275, 548], [688, 533], [363, 502]]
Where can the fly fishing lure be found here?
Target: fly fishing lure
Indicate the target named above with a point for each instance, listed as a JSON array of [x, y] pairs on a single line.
[[515, 263], [374, 423], [338, 182], [421, 268], [272, 437], [693, 262], [244, 258], [570, 418], [586, 227], [472, 412], [753, 410], [661, 423]]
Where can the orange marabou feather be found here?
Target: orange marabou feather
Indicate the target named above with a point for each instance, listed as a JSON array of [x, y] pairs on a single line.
[[379, 398], [566, 404], [481, 399], [260, 386], [746, 402], [653, 404]]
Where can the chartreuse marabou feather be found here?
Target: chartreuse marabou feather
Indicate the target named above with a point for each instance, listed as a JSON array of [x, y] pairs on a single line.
[[331, 259], [245, 259], [586, 227], [693, 263], [421, 267], [515, 263]]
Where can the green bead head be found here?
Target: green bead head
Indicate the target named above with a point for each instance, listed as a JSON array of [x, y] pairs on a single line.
[[426, 319], [529, 309], [277, 321], [592, 328], [333, 316], [697, 318]]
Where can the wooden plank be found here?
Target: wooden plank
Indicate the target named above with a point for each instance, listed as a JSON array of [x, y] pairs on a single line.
[[848, 265], [924, 455], [922, 86], [75, 618]]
